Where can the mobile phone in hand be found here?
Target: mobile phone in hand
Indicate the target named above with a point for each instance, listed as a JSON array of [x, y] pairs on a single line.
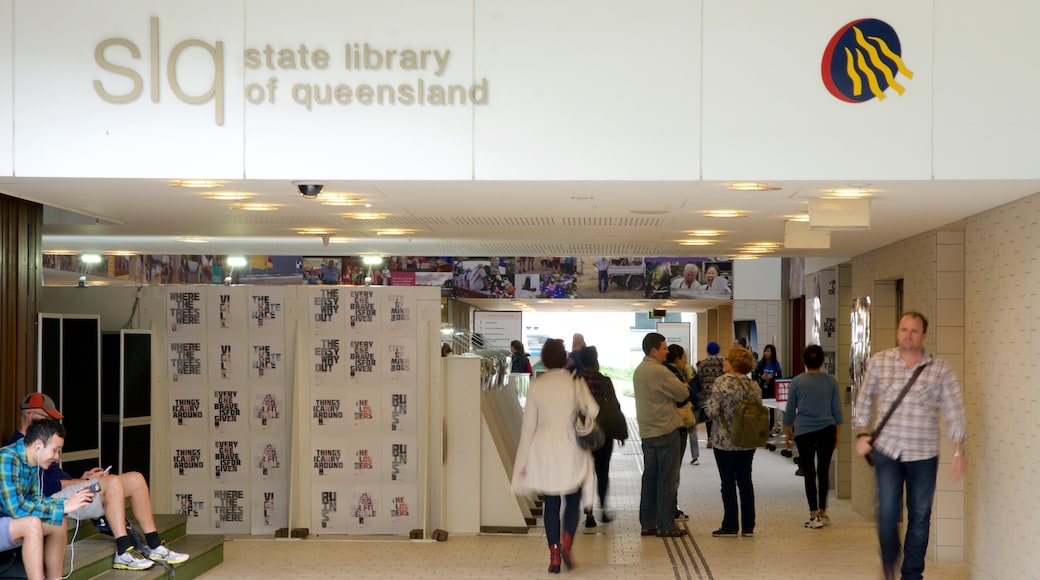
[[95, 487]]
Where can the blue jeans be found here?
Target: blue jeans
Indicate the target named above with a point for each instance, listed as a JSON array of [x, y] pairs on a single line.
[[735, 472], [919, 477], [660, 482], [552, 516]]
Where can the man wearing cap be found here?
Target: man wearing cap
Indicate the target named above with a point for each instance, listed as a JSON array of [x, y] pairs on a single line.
[[709, 369], [115, 489], [39, 522]]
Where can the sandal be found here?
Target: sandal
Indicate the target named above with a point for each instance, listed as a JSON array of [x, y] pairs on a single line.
[[648, 532], [673, 533]]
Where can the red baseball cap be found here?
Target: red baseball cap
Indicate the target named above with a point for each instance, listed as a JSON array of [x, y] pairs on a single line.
[[42, 402]]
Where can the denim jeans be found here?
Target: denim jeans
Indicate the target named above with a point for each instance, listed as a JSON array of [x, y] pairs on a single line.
[[552, 515], [919, 477], [735, 472], [814, 457], [660, 482]]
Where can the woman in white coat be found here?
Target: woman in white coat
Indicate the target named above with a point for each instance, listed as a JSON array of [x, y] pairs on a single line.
[[549, 460]]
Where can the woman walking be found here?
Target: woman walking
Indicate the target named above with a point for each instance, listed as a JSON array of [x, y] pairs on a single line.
[[734, 462], [548, 459], [811, 420], [612, 420]]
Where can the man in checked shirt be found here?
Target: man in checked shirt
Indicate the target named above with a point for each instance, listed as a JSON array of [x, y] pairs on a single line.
[[907, 449]]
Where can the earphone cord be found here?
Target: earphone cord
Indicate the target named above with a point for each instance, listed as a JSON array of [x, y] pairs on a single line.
[[39, 493]]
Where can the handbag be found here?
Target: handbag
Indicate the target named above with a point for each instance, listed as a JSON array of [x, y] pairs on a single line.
[[687, 415], [586, 430], [881, 424]]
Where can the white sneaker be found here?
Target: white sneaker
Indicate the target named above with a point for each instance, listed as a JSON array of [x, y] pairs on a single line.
[[825, 519], [814, 522], [164, 554], [131, 559]]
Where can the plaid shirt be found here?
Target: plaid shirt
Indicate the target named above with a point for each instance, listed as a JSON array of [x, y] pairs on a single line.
[[912, 433], [20, 488]]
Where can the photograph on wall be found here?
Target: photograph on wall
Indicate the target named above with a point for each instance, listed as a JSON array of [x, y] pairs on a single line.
[[401, 463], [186, 363], [327, 360], [226, 311], [193, 501], [366, 360], [364, 516], [325, 314], [364, 409], [270, 506], [612, 277], [401, 508], [490, 277], [678, 277], [226, 408], [266, 311], [328, 415], [400, 309], [267, 361], [328, 514], [420, 271], [363, 314], [329, 461], [228, 358], [269, 461], [526, 285], [189, 416], [401, 417], [403, 358], [355, 271], [557, 277], [184, 309], [229, 455], [327, 271], [230, 505], [268, 411]]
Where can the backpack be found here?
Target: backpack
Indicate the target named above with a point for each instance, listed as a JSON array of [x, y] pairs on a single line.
[[751, 426], [610, 417]]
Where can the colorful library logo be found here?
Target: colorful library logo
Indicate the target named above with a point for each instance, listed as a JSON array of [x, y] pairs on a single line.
[[863, 60]]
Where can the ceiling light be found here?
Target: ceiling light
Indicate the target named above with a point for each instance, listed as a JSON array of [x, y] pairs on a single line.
[[193, 240], [197, 183], [848, 192], [798, 217], [314, 232], [696, 242], [61, 252], [236, 261], [363, 216], [579, 306], [371, 260], [763, 245], [756, 250], [394, 232], [744, 257], [229, 196], [334, 240], [343, 199], [256, 206], [752, 186], [123, 253], [90, 258], [724, 213], [704, 233]]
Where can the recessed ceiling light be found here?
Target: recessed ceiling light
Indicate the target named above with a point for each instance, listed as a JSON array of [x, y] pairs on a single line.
[[744, 257], [394, 232], [314, 232], [256, 206], [764, 245], [61, 252], [798, 217], [696, 242], [363, 216], [724, 213], [197, 183], [704, 233], [341, 199], [853, 192], [123, 253], [752, 186], [229, 196], [193, 240], [335, 240]]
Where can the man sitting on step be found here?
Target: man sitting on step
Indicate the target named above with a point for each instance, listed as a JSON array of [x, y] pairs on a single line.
[[115, 489]]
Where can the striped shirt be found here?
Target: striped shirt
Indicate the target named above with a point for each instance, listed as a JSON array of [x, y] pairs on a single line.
[[20, 488], [912, 433]]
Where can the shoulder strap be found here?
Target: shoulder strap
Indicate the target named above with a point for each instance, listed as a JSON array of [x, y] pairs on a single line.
[[899, 399]]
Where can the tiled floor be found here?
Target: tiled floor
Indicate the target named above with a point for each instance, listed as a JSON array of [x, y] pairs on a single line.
[[781, 548]]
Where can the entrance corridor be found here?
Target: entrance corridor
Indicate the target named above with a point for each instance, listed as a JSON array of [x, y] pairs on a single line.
[[781, 547]]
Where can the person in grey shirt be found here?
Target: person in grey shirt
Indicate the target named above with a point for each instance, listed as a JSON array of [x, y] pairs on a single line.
[[657, 391]]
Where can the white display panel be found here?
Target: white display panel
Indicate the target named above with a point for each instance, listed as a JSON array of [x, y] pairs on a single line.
[[6, 102]]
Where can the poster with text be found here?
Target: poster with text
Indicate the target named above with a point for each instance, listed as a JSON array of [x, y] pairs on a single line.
[[226, 311], [365, 361], [330, 414], [366, 458], [365, 502], [228, 358], [363, 312], [328, 514], [226, 407], [400, 312], [229, 455], [327, 361], [270, 461], [189, 462], [186, 361], [268, 411], [230, 505], [188, 415], [325, 315], [267, 361], [365, 408], [402, 357], [184, 307], [401, 503], [266, 311], [401, 455], [193, 501], [402, 410], [329, 462], [270, 505]]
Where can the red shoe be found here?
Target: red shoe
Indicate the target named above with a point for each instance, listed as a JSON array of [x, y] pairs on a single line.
[[566, 541], [554, 558]]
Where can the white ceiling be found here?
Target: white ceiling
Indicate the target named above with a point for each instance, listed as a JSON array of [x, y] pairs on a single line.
[[484, 218]]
